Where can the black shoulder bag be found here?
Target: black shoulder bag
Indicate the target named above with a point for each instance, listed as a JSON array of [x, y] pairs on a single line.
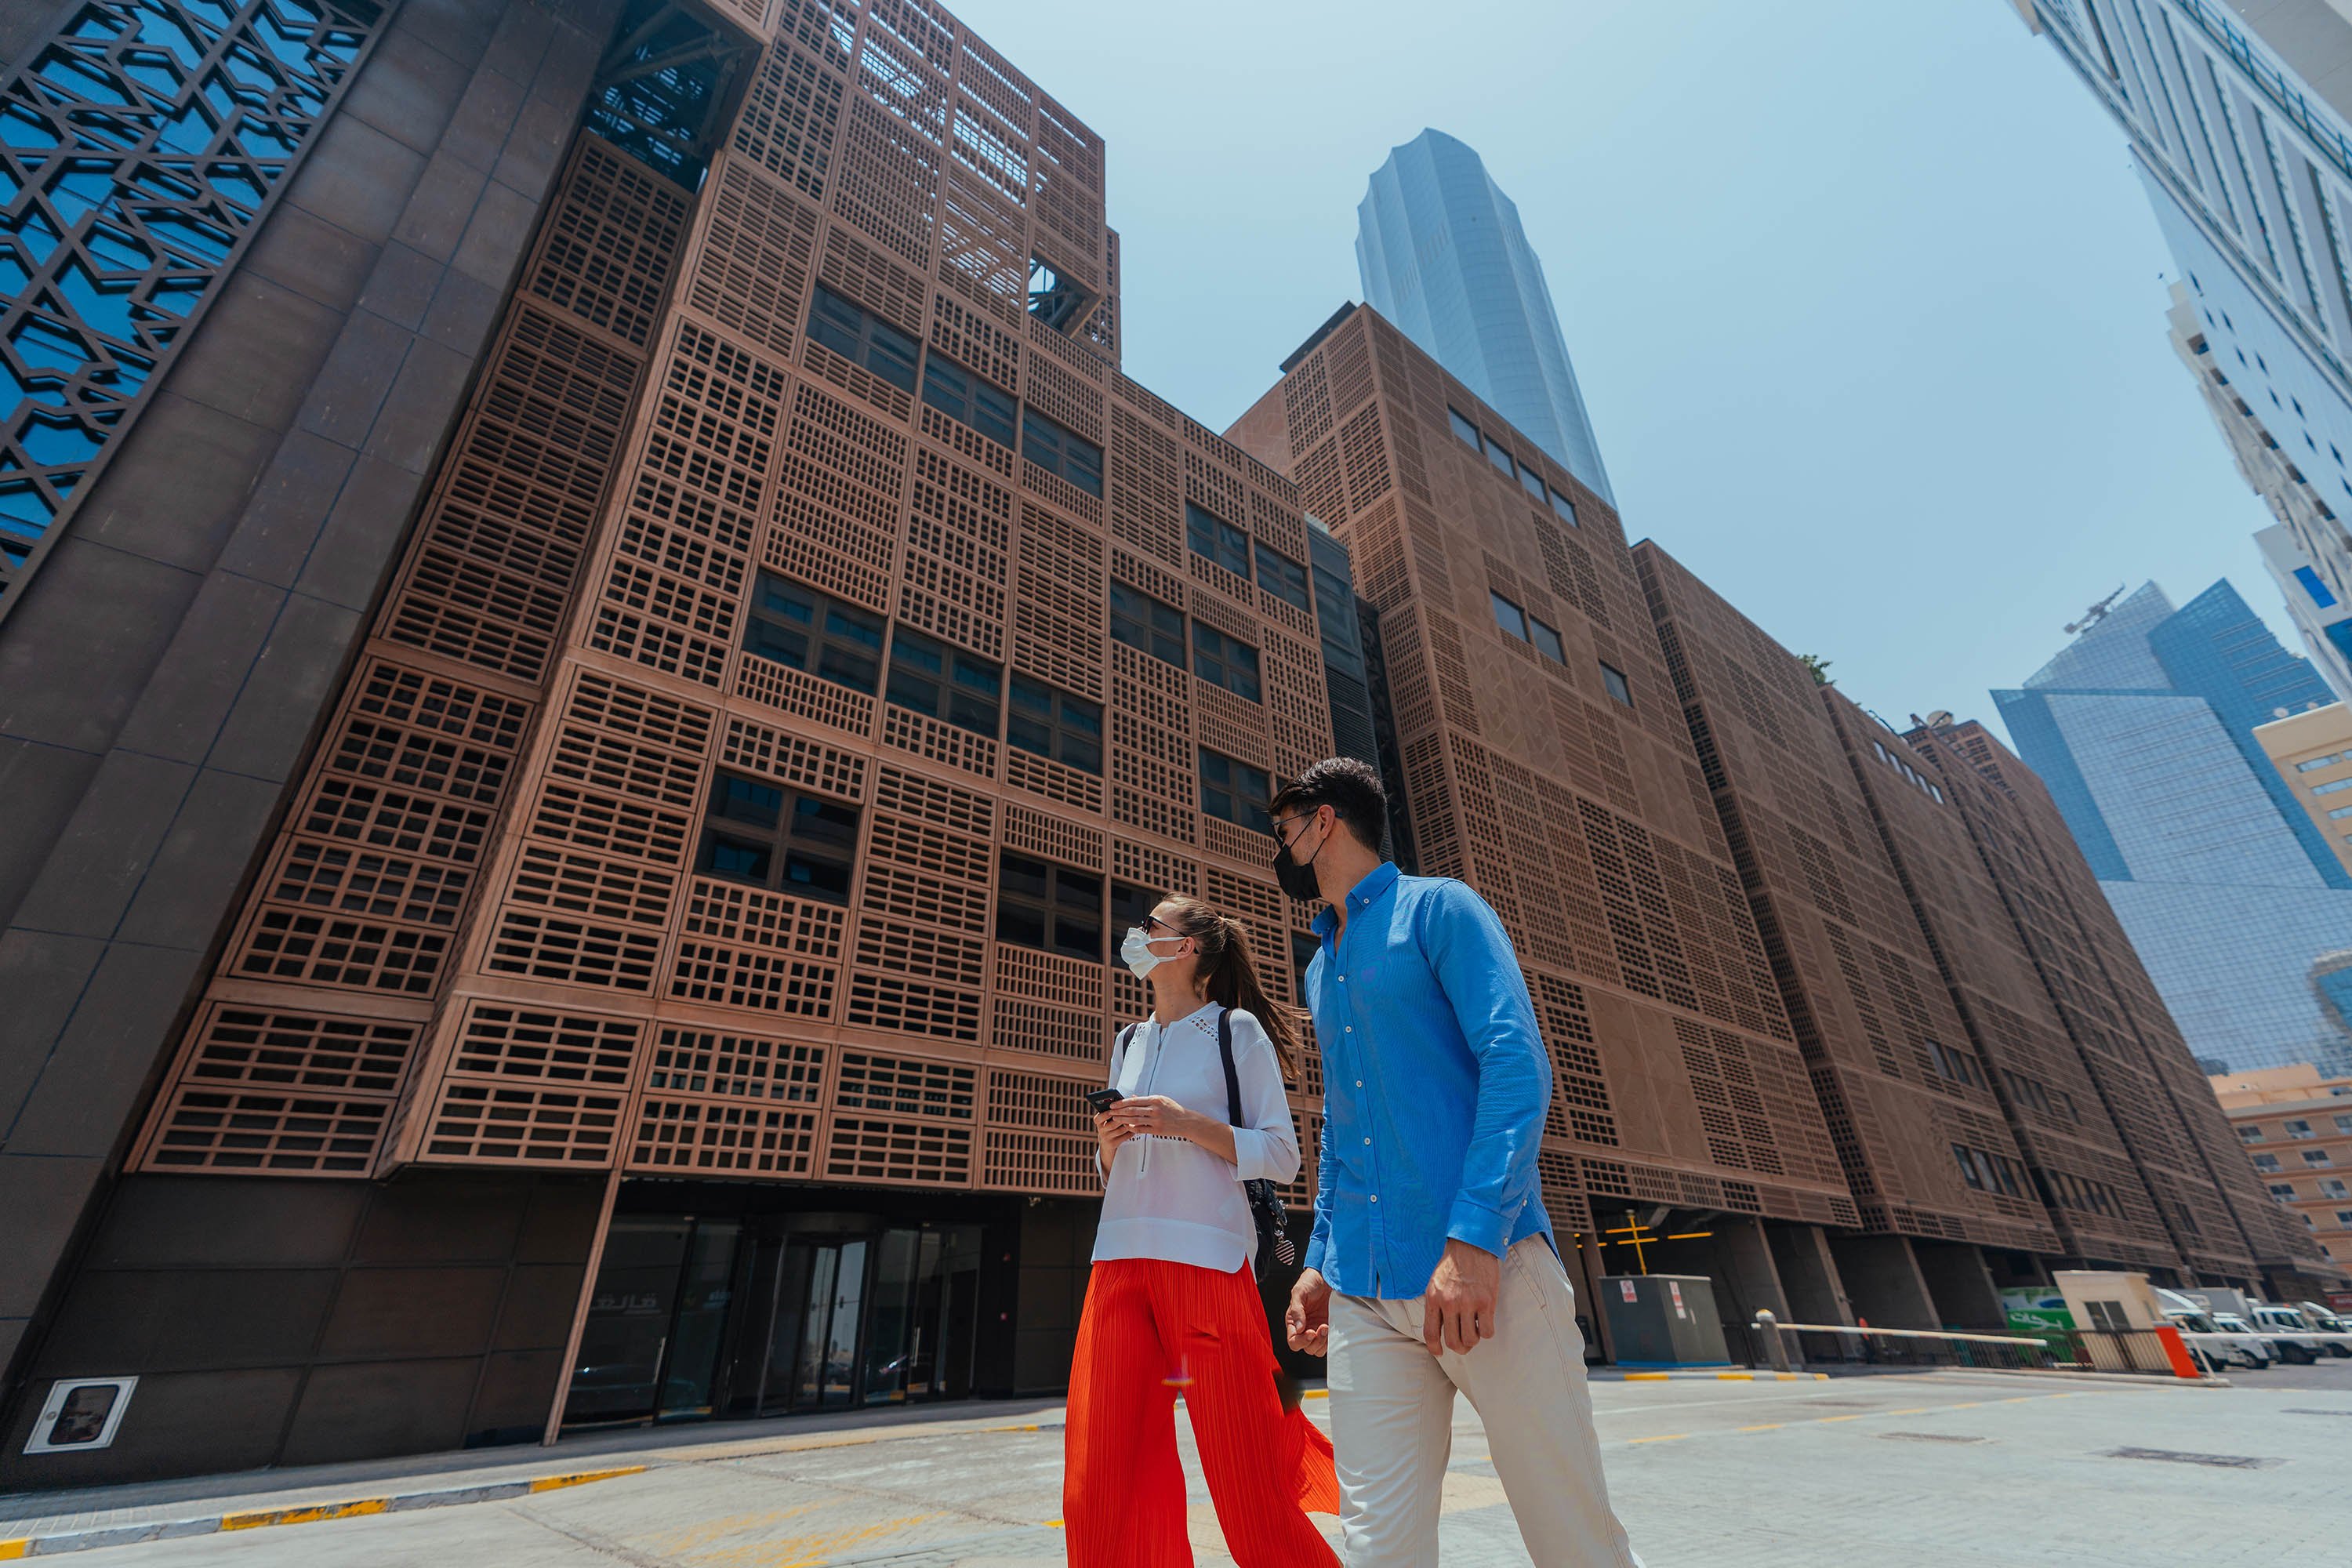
[[1266, 1208]]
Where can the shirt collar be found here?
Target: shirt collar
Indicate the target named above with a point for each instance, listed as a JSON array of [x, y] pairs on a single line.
[[1360, 897], [1153, 1018]]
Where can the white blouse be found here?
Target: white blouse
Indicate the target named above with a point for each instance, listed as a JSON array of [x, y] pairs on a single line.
[[1170, 1198]]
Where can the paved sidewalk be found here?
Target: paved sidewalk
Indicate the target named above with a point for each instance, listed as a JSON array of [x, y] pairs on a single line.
[[1956, 1470]]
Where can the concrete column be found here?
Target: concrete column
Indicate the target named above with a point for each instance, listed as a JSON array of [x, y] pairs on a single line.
[[1883, 1282], [1807, 1273], [1962, 1287]]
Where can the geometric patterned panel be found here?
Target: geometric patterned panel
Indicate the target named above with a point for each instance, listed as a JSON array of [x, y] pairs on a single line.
[[137, 153]]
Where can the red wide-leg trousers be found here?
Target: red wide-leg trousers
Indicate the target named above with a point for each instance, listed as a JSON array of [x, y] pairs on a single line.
[[1153, 1329]]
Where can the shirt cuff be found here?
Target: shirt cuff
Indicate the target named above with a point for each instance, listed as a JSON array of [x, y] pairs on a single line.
[[1482, 1227], [1317, 1246]]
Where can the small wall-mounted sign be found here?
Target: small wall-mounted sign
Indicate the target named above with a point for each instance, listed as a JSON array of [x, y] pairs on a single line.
[[80, 1412]]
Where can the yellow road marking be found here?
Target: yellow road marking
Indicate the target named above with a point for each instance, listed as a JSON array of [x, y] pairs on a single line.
[[1667, 1438], [1767, 1426], [312, 1514], [1855, 1417], [581, 1478]]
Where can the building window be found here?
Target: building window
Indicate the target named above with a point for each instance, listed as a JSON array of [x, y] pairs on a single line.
[[1057, 451], [2317, 1157], [1614, 679], [819, 636], [2344, 1218], [1958, 1066], [968, 400], [2300, 1129], [1565, 510], [1130, 904], [2283, 1189], [1051, 723], [2333, 1187], [1213, 537], [1546, 641], [2344, 1124], [1507, 615], [2340, 811], [2266, 1163], [2249, 1133], [930, 677], [1234, 791], [1500, 458], [1225, 661], [863, 338], [1049, 906], [777, 838], [1463, 428], [1284, 578], [1965, 1157], [1532, 482], [2332, 786], [1143, 623], [2313, 764]]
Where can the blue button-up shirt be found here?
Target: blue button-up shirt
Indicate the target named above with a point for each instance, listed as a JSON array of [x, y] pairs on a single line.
[[1434, 1085]]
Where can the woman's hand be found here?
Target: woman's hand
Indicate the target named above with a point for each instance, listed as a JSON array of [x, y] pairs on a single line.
[[1109, 1134], [1157, 1116]]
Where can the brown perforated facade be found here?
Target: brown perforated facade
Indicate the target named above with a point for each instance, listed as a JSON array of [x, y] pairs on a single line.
[[641, 839], [1891, 1064], [2180, 1143], [1514, 633]]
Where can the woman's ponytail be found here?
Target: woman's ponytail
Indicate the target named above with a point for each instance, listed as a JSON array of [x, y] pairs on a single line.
[[1230, 979]]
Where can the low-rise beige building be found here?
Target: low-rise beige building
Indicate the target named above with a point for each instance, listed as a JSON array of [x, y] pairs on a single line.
[[2296, 1124], [2313, 753]]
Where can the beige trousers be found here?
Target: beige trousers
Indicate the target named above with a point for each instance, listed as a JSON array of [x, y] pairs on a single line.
[[1392, 1422]]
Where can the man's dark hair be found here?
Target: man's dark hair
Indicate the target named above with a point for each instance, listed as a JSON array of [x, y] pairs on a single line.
[[1350, 786]]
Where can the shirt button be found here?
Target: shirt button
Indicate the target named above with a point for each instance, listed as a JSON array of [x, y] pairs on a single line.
[[1368, 1142], [1375, 1197], [1349, 1028], [1343, 980], [1359, 1083]]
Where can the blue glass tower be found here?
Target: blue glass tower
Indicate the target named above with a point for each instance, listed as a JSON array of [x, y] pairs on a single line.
[[2143, 730], [1441, 255]]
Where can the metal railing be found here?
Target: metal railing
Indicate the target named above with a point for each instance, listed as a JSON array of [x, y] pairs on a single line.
[[1784, 1346]]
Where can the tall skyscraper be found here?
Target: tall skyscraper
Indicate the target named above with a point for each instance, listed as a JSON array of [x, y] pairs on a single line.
[[2237, 121], [1441, 255], [2143, 730]]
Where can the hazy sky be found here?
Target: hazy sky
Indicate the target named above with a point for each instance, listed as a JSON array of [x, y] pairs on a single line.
[[1867, 304]]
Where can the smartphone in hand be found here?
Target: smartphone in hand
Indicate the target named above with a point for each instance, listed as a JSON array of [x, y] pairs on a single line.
[[1102, 1099]]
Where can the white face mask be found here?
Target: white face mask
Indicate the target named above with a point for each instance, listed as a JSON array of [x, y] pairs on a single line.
[[1136, 951]]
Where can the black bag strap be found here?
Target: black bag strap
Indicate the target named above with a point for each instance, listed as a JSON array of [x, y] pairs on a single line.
[[1233, 1078]]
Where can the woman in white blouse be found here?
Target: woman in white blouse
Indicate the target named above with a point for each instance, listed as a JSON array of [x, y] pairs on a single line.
[[1172, 1304]]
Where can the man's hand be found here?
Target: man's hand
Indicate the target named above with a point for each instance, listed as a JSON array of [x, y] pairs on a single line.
[[1458, 1309], [1308, 1319]]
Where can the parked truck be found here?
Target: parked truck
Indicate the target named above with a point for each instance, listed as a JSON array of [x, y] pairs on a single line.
[[2290, 1337]]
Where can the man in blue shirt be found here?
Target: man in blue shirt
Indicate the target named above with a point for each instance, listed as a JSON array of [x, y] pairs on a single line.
[[1432, 1267]]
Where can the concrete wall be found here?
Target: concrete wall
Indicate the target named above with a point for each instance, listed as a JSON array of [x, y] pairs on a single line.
[[169, 665], [286, 1322]]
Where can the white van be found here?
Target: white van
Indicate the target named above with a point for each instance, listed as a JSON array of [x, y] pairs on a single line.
[[2208, 1340]]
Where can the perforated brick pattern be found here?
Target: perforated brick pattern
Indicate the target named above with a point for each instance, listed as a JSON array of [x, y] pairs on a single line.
[[488, 935], [1869, 1005], [1586, 823]]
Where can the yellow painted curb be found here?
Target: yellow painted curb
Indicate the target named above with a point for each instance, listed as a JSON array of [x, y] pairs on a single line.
[[311, 1514], [581, 1478], [15, 1549], [1736, 1376], [1646, 1377], [1316, 1393]]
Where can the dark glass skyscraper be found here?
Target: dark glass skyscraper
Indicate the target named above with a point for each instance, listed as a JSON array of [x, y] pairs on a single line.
[[2143, 730], [1443, 256]]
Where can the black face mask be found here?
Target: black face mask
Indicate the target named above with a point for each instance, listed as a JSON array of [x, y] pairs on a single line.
[[1298, 881]]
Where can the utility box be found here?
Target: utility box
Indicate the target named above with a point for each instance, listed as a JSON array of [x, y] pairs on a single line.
[[1664, 1320]]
